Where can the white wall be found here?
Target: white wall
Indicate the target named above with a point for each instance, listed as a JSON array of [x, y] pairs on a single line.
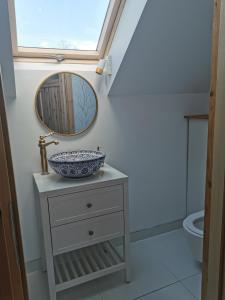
[[170, 50], [143, 136], [197, 157], [129, 20]]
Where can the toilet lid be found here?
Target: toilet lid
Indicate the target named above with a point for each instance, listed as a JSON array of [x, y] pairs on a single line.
[[189, 223]]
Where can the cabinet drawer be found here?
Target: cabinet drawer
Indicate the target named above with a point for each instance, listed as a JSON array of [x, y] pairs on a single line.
[[87, 232], [78, 206]]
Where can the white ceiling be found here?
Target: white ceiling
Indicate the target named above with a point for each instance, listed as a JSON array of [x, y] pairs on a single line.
[[170, 50]]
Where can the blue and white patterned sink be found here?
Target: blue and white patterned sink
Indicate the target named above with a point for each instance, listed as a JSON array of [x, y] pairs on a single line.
[[77, 164]]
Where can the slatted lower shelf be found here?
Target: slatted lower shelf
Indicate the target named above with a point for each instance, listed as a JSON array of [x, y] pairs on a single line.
[[85, 264]]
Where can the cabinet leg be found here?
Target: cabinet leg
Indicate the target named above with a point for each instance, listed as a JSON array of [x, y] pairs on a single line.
[[52, 295], [127, 275], [127, 257], [43, 265], [126, 245]]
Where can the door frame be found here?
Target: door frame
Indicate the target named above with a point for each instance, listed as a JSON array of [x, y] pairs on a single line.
[[213, 283], [11, 240], [213, 253]]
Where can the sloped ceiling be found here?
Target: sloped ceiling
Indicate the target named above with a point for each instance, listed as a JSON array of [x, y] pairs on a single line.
[[170, 50]]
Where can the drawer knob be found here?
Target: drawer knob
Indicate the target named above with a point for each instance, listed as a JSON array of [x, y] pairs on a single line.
[[91, 232], [89, 205]]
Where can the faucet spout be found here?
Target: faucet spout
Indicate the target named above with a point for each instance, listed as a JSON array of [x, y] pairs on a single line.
[[52, 142]]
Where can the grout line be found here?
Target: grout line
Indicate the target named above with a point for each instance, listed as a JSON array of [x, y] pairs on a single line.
[[156, 290], [187, 289], [166, 286], [176, 280], [184, 278], [181, 281], [190, 276]]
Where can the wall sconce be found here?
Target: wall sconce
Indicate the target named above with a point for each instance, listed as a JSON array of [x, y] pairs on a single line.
[[105, 66]]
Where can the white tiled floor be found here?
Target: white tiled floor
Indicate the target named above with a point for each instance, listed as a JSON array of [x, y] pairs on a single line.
[[172, 292], [193, 284], [162, 269]]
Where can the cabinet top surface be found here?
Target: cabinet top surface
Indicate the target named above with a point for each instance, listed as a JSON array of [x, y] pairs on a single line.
[[54, 182]]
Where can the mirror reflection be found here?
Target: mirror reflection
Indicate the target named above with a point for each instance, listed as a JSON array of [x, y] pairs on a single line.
[[66, 103]]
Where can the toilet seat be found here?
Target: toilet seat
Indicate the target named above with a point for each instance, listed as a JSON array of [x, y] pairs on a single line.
[[189, 222]]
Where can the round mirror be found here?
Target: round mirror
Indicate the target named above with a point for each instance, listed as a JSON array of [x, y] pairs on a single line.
[[66, 103]]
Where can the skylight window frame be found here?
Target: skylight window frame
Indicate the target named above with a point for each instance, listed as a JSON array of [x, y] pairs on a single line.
[[111, 21]]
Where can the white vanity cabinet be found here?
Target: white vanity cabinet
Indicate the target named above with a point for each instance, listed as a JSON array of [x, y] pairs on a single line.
[[80, 218]]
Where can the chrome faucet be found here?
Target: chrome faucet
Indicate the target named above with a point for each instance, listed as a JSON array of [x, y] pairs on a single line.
[[42, 144]]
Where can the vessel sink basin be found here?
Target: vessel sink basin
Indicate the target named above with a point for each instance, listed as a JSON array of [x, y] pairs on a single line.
[[77, 164]]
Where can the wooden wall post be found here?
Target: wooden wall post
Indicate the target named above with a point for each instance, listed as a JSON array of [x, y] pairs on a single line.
[[214, 204]]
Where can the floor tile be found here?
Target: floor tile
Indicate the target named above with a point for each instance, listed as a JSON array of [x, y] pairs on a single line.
[[147, 275], [193, 284], [173, 250], [85, 291], [173, 292], [156, 263], [38, 289]]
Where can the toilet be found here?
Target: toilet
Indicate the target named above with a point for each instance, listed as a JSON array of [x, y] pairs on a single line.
[[194, 226]]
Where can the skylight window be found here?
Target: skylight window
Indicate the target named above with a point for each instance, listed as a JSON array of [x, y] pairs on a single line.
[[77, 29], [68, 24]]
